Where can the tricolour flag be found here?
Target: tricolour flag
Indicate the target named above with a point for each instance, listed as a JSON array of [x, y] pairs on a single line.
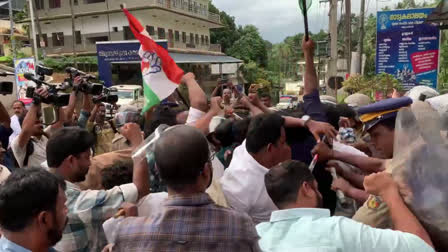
[[161, 75]]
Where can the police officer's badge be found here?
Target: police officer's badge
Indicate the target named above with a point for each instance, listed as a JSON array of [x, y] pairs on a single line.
[[373, 202]]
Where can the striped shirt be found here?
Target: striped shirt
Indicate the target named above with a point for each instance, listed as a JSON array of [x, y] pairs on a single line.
[[193, 223], [87, 210]]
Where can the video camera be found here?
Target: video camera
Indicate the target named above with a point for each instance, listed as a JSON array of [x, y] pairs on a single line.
[[58, 100], [106, 96], [86, 86], [6, 87]]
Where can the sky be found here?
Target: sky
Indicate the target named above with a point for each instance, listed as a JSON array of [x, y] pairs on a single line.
[[277, 19]]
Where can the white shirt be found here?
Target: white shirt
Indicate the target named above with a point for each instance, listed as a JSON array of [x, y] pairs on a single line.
[[243, 186], [313, 230], [38, 156], [16, 128]]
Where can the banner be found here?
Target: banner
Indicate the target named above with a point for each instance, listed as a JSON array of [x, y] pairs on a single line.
[[407, 48], [22, 66]]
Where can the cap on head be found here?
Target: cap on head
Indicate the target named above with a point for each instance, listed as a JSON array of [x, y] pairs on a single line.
[[375, 113]]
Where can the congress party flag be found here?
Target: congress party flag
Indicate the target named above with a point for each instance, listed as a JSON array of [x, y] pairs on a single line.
[[161, 75]]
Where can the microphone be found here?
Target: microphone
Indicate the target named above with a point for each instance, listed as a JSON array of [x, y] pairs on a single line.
[[75, 71], [4, 74]]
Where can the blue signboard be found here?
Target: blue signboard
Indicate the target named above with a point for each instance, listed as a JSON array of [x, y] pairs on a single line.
[[407, 48], [116, 52]]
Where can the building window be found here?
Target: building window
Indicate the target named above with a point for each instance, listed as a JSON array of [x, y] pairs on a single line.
[[150, 30], [206, 40], [78, 37], [161, 1], [195, 7], [176, 36], [161, 32], [184, 37], [115, 29], [57, 38], [93, 40], [39, 4], [75, 2], [127, 33], [45, 40], [185, 5], [196, 39], [191, 38], [54, 4], [93, 1], [202, 39], [190, 5]]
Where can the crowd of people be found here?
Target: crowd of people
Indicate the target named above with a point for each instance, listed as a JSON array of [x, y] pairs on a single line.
[[310, 179]]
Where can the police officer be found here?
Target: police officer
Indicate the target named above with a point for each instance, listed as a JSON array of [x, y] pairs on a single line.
[[379, 122]]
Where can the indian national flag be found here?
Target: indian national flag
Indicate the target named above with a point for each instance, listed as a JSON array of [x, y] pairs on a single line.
[[161, 75]]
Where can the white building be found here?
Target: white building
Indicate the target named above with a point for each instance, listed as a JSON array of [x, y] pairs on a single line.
[[185, 24]]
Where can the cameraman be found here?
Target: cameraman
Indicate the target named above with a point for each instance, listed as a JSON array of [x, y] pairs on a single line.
[[29, 147]]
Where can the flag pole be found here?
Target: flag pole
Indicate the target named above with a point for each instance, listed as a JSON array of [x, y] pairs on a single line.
[[305, 18]]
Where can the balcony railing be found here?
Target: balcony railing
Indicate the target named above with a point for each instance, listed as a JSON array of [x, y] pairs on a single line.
[[215, 47], [192, 9]]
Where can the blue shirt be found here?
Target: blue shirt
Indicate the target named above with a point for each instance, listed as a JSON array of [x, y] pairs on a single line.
[[9, 246], [312, 229]]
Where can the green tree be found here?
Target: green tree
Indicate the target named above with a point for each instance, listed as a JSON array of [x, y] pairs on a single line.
[[250, 46], [227, 35]]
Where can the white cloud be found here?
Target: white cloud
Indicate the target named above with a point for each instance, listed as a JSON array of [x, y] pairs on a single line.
[[277, 19]]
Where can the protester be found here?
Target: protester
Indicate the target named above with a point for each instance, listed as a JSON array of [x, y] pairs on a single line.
[[379, 122], [32, 211], [116, 175], [302, 224], [266, 100], [4, 172], [5, 133], [29, 146], [264, 147], [68, 155], [5, 126], [190, 220], [19, 114]]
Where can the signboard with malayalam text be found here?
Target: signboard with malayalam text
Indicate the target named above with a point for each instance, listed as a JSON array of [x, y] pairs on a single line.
[[408, 48]]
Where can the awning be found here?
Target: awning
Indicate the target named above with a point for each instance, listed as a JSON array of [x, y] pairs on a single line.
[[440, 15], [190, 58]]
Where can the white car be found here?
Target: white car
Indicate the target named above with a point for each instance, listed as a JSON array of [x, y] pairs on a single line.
[[129, 95]]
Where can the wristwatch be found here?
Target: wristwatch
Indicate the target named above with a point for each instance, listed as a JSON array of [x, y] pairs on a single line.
[[306, 119]]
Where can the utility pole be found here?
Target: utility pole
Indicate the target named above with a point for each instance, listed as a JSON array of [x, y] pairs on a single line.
[[33, 32], [332, 64], [73, 34], [361, 36], [39, 32], [348, 33], [11, 36]]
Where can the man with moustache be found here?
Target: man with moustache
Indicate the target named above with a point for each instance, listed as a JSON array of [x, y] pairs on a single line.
[[32, 211], [302, 225], [68, 155]]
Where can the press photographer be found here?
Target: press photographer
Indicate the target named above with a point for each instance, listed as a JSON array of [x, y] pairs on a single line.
[[85, 82], [55, 95]]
